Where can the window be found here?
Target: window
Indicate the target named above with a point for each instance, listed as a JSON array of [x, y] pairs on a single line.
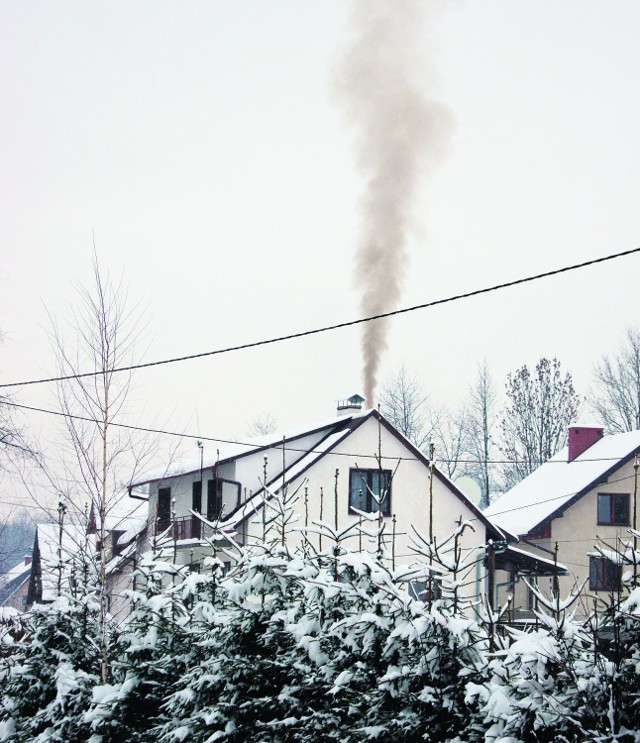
[[370, 491], [613, 509], [604, 575], [196, 496], [164, 508], [214, 499], [223, 496], [196, 505], [419, 589]]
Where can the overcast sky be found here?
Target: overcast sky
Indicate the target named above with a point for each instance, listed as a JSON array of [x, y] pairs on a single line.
[[203, 145]]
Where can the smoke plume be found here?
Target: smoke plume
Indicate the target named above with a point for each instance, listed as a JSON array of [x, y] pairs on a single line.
[[383, 85]]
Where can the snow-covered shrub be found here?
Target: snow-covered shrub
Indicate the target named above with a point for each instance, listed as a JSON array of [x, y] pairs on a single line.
[[46, 683], [153, 650], [544, 683], [239, 683]]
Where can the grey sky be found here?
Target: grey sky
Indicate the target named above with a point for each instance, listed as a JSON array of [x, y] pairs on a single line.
[[200, 142]]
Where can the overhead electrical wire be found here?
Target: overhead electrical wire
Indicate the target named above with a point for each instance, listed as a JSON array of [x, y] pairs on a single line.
[[275, 444], [328, 328], [292, 336]]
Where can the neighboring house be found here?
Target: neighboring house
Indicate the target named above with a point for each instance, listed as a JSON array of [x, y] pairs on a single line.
[[586, 492], [14, 585], [56, 551], [356, 462]]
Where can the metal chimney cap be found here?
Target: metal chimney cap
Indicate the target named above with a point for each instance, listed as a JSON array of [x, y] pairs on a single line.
[[351, 403]]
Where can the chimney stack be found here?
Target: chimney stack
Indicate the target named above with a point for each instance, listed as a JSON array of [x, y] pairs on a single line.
[[350, 406], [581, 438]]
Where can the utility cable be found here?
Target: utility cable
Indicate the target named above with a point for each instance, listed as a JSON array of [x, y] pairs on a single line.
[[277, 444], [327, 328]]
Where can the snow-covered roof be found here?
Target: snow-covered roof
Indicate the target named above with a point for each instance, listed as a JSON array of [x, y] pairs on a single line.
[[533, 563], [13, 579], [123, 514], [231, 450], [556, 483]]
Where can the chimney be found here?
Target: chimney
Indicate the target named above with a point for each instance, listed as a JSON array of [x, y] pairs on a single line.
[[581, 438], [351, 405]]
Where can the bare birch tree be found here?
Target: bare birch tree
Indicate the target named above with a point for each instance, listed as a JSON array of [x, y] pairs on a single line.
[[101, 456], [405, 404], [617, 398], [451, 440], [480, 423]]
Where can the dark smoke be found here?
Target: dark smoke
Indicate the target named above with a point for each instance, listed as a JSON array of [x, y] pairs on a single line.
[[383, 83]]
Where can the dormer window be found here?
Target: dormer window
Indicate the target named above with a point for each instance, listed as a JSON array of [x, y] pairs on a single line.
[[370, 491]]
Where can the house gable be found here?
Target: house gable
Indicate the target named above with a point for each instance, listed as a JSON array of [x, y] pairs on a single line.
[[409, 488]]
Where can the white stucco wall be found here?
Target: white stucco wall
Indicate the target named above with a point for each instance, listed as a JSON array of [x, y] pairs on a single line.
[[409, 495]]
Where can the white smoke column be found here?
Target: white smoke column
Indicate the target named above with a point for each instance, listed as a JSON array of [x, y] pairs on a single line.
[[383, 83]]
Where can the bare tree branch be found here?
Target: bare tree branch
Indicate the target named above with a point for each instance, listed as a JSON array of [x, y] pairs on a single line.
[[617, 400]]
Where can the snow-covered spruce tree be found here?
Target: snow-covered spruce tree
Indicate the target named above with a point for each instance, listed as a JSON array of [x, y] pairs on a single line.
[[243, 682], [324, 708], [384, 665], [543, 684], [153, 650], [46, 682], [434, 649]]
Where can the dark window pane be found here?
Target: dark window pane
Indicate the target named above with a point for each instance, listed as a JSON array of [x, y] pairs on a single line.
[[214, 499], [613, 508], [604, 509], [604, 575], [164, 508], [370, 490], [358, 493], [196, 502], [621, 509]]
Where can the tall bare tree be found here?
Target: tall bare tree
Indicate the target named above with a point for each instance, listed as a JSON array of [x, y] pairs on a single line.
[[102, 457], [480, 424], [449, 434], [405, 404], [617, 398], [534, 423]]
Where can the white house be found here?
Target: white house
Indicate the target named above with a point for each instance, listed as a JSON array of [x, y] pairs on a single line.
[[587, 491], [357, 462]]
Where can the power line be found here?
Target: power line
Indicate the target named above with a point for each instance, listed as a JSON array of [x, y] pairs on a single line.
[[327, 328], [278, 444]]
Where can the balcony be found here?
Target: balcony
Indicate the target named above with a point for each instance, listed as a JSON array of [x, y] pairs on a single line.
[[183, 527]]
